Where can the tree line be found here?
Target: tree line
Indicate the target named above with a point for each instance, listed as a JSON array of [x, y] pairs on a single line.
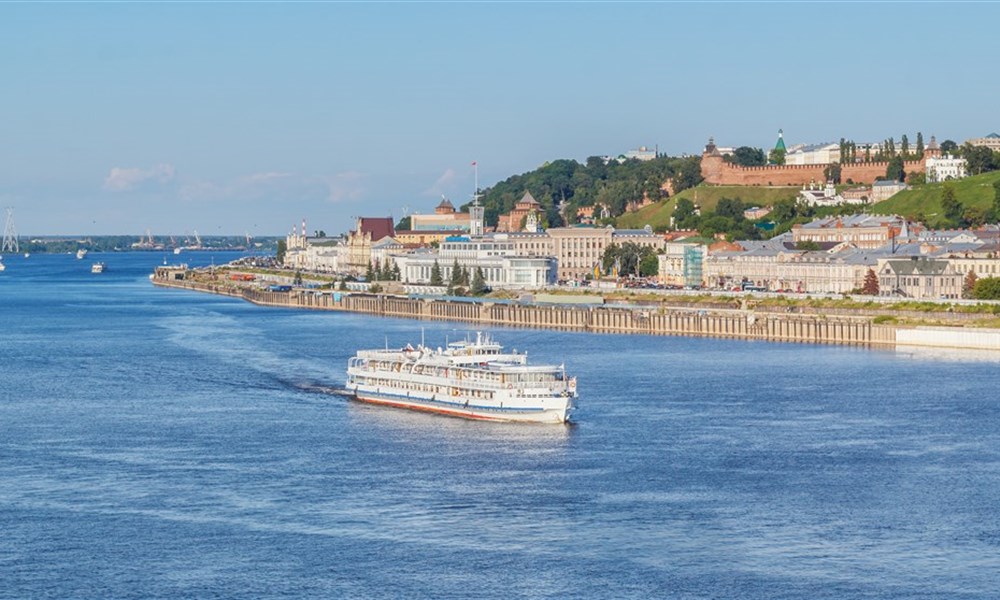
[[568, 185]]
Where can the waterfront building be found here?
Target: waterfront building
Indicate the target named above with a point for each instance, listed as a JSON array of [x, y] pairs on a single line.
[[359, 242], [496, 256], [943, 168], [682, 264], [982, 261], [774, 266], [860, 230], [579, 249], [919, 277], [320, 255], [385, 250]]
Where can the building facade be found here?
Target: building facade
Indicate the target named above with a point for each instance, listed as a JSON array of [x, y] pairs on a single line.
[[861, 231], [445, 218], [919, 278], [682, 264], [501, 267], [359, 242], [991, 141], [943, 168]]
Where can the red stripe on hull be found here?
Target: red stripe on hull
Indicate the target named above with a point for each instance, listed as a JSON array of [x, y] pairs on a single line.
[[430, 409]]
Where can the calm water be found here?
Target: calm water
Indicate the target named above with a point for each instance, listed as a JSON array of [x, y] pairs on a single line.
[[161, 443]]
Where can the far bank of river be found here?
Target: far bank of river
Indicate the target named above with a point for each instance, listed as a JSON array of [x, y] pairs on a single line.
[[760, 323]]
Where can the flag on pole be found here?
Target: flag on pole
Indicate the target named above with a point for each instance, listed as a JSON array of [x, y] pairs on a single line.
[[473, 163]]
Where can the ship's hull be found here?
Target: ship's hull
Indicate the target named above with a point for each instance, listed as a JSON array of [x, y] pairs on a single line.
[[466, 410]]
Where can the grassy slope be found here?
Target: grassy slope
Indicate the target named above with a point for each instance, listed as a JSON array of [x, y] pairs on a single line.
[[658, 215], [926, 199]]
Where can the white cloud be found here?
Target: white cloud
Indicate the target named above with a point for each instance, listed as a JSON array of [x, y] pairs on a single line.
[[122, 179], [442, 184]]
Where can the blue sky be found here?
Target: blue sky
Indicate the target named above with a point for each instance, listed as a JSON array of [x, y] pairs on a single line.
[[228, 118]]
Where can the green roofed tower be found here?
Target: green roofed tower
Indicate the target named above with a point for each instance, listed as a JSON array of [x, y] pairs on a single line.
[[780, 145]]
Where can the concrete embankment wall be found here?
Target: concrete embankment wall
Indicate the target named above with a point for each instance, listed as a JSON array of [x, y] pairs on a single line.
[[949, 337], [781, 327]]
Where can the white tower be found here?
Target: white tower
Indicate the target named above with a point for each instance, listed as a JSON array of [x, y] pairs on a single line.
[[477, 213], [10, 234]]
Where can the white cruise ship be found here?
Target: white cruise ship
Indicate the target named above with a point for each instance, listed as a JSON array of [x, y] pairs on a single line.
[[470, 379]]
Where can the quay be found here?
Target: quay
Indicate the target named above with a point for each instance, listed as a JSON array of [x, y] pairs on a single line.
[[857, 330]]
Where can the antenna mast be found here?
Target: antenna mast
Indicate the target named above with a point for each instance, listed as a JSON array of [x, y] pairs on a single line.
[[10, 234]]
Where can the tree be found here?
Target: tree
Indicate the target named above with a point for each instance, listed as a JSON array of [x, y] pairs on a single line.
[[776, 157], [649, 266], [980, 159], [682, 211], [895, 171], [916, 178], [455, 282], [808, 245], [436, 277], [950, 205], [297, 278], [974, 216], [370, 272], [904, 147], [870, 287], [279, 256], [404, 224], [832, 172], [969, 284], [995, 210], [728, 207], [920, 145], [745, 156], [478, 283], [987, 288], [319, 233], [948, 147], [396, 274]]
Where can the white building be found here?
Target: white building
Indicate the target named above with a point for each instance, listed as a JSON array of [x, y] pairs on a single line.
[[943, 168], [814, 154], [682, 264], [502, 268]]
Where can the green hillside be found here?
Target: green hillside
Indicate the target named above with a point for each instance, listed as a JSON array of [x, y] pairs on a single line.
[[658, 215], [924, 202]]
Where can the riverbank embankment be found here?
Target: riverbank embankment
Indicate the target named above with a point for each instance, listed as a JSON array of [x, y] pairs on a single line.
[[665, 320]]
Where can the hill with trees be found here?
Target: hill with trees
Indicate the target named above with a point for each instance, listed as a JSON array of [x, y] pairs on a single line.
[[571, 185], [971, 201]]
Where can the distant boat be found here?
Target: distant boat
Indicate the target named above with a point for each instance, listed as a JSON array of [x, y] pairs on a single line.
[[178, 250], [2, 267], [27, 254], [97, 267], [82, 252]]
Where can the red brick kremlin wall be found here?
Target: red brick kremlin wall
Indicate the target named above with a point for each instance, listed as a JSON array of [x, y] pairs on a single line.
[[716, 171]]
